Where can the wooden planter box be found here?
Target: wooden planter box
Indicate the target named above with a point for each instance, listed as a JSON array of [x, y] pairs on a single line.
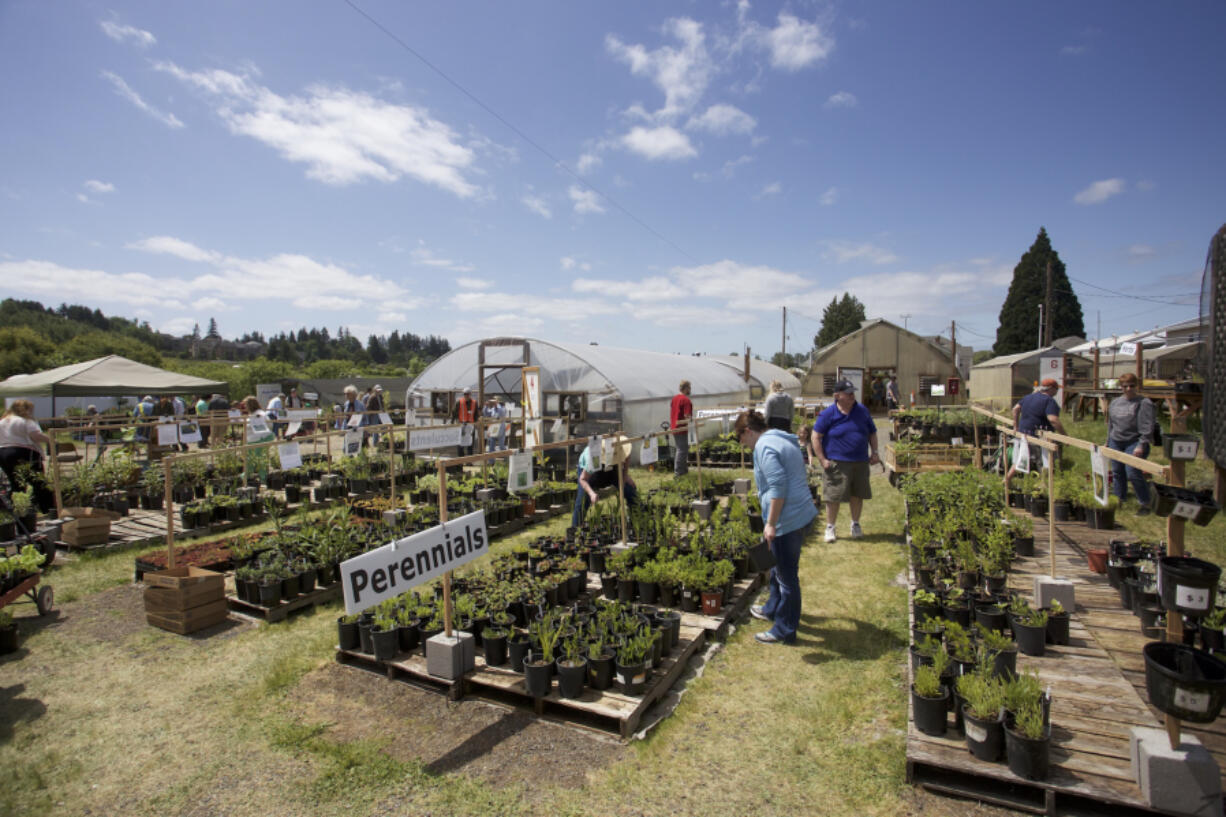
[[185, 599], [88, 526]]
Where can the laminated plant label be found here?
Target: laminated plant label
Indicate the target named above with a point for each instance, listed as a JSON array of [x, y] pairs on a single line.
[[1192, 598], [289, 454], [353, 442], [1191, 701], [650, 451], [1186, 510]]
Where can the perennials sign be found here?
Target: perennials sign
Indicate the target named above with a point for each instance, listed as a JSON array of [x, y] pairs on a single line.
[[392, 569]]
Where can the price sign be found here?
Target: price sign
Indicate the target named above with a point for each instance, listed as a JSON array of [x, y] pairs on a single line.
[[955, 441], [1186, 510], [290, 456], [649, 452], [1128, 349], [1191, 701], [1192, 598], [168, 434], [1184, 449]]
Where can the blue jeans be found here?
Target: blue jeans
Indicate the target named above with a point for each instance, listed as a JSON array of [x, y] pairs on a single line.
[[1122, 474], [581, 500], [783, 603]]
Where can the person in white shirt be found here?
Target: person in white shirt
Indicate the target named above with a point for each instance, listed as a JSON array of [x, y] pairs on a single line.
[[20, 436]]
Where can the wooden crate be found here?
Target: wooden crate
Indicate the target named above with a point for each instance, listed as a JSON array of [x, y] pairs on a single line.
[[189, 621], [88, 526], [185, 599]]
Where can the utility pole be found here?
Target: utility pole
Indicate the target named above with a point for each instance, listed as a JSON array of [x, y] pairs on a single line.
[[1040, 326], [953, 343], [904, 319], [784, 346], [1046, 341]]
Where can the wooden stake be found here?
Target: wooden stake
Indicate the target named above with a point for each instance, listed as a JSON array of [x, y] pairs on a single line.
[[1051, 511], [1174, 547], [975, 425], [621, 495], [442, 517], [391, 458], [55, 475], [168, 501]]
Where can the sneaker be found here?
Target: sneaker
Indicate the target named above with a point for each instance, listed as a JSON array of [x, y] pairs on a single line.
[[1143, 510], [830, 535], [856, 532], [756, 612], [769, 638]]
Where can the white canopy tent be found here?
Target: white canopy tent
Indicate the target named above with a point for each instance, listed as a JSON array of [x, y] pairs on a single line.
[[628, 389]]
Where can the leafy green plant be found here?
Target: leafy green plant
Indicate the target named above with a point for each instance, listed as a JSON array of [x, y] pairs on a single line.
[[927, 682], [996, 641], [1022, 690], [1028, 721], [983, 694], [924, 597]]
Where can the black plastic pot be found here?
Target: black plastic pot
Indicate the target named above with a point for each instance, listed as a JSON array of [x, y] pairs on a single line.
[[931, 714], [600, 671], [494, 649], [1028, 758], [538, 678], [517, 651], [1038, 506], [991, 617], [364, 640], [1101, 518], [270, 594], [408, 635], [985, 738], [1211, 639], [625, 589], [1187, 584], [347, 634], [1118, 571], [959, 613], [1062, 510], [1023, 545], [10, 638], [633, 678], [386, 643], [571, 677], [1030, 640], [648, 592], [1185, 682], [1004, 664], [1057, 628]]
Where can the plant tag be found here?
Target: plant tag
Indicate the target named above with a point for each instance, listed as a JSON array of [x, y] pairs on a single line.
[[168, 434], [353, 442], [649, 452], [955, 441], [1192, 598], [642, 677], [1021, 455], [385, 418], [1191, 701], [1186, 510], [1184, 449], [975, 732], [290, 456], [519, 472]]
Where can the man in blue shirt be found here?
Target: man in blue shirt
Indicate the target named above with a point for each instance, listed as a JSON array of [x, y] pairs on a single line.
[[844, 441], [1037, 411]]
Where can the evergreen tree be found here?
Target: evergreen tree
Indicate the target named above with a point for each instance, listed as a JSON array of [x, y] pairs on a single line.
[[841, 317], [213, 333], [1019, 316], [196, 332]]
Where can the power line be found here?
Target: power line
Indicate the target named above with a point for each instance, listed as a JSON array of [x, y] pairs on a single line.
[[1119, 294], [558, 162]]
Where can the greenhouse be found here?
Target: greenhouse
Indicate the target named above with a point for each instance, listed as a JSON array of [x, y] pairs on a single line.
[[596, 388]]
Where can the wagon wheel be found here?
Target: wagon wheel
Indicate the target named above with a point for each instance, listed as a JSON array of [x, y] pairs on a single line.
[[45, 600]]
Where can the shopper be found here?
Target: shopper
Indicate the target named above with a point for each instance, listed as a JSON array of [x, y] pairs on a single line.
[[845, 444], [787, 512], [592, 480], [20, 437], [1037, 411], [779, 408], [1130, 427], [680, 414]]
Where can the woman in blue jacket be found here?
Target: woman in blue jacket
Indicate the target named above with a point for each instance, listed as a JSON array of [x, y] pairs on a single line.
[[788, 513]]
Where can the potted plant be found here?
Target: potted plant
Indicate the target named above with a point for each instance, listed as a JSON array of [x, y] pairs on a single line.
[[631, 662], [924, 604], [1023, 536], [518, 645], [384, 634], [1057, 623], [982, 715], [930, 701], [539, 667], [572, 667], [599, 659], [1211, 629], [1028, 743], [10, 638], [347, 632], [1001, 650], [1029, 627], [1185, 682], [494, 645]]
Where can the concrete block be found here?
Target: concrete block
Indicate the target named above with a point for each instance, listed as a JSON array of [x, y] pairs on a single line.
[[486, 494], [395, 516], [740, 486], [450, 658], [1046, 588], [702, 507], [1185, 780]]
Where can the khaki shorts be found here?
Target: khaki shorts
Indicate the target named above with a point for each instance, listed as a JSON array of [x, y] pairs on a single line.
[[844, 480]]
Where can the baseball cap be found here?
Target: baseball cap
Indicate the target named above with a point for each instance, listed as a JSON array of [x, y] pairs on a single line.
[[378, 388], [1049, 383], [844, 386]]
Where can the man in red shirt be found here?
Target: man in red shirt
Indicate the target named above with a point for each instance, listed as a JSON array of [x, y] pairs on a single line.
[[680, 411]]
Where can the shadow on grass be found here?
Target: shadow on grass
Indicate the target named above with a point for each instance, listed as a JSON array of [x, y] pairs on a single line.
[[831, 639], [14, 709], [481, 743]]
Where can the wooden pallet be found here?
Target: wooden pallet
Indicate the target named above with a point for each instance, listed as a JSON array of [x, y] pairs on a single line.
[[270, 615], [1094, 707], [610, 710]]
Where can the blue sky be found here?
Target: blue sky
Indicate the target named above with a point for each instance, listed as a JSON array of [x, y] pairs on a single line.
[[642, 174]]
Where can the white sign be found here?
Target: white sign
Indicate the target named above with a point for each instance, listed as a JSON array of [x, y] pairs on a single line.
[[1098, 475], [936, 390], [1186, 510], [353, 442], [593, 452], [302, 415], [1128, 349], [558, 429], [1021, 455], [650, 451], [533, 431], [354, 421], [1191, 701], [955, 441], [289, 454], [519, 472], [402, 565], [1192, 598], [532, 391], [385, 418], [292, 429], [235, 414], [189, 433], [692, 434], [1046, 460], [257, 430], [421, 439], [168, 434], [1184, 449]]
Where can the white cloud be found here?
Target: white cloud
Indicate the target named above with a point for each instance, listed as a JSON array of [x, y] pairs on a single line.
[[1140, 252], [84, 199], [531, 305], [46, 279], [391, 318], [655, 288], [209, 303], [169, 245], [537, 205], [795, 44], [1100, 191], [585, 201], [342, 136], [665, 142], [830, 197], [120, 33], [772, 189], [587, 163], [473, 283], [95, 186], [568, 263], [331, 303], [843, 251], [509, 323], [722, 120], [425, 257], [683, 315], [124, 90], [682, 73], [843, 99], [178, 326]]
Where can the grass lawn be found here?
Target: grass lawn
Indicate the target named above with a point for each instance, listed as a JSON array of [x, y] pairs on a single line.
[[102, 714]]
